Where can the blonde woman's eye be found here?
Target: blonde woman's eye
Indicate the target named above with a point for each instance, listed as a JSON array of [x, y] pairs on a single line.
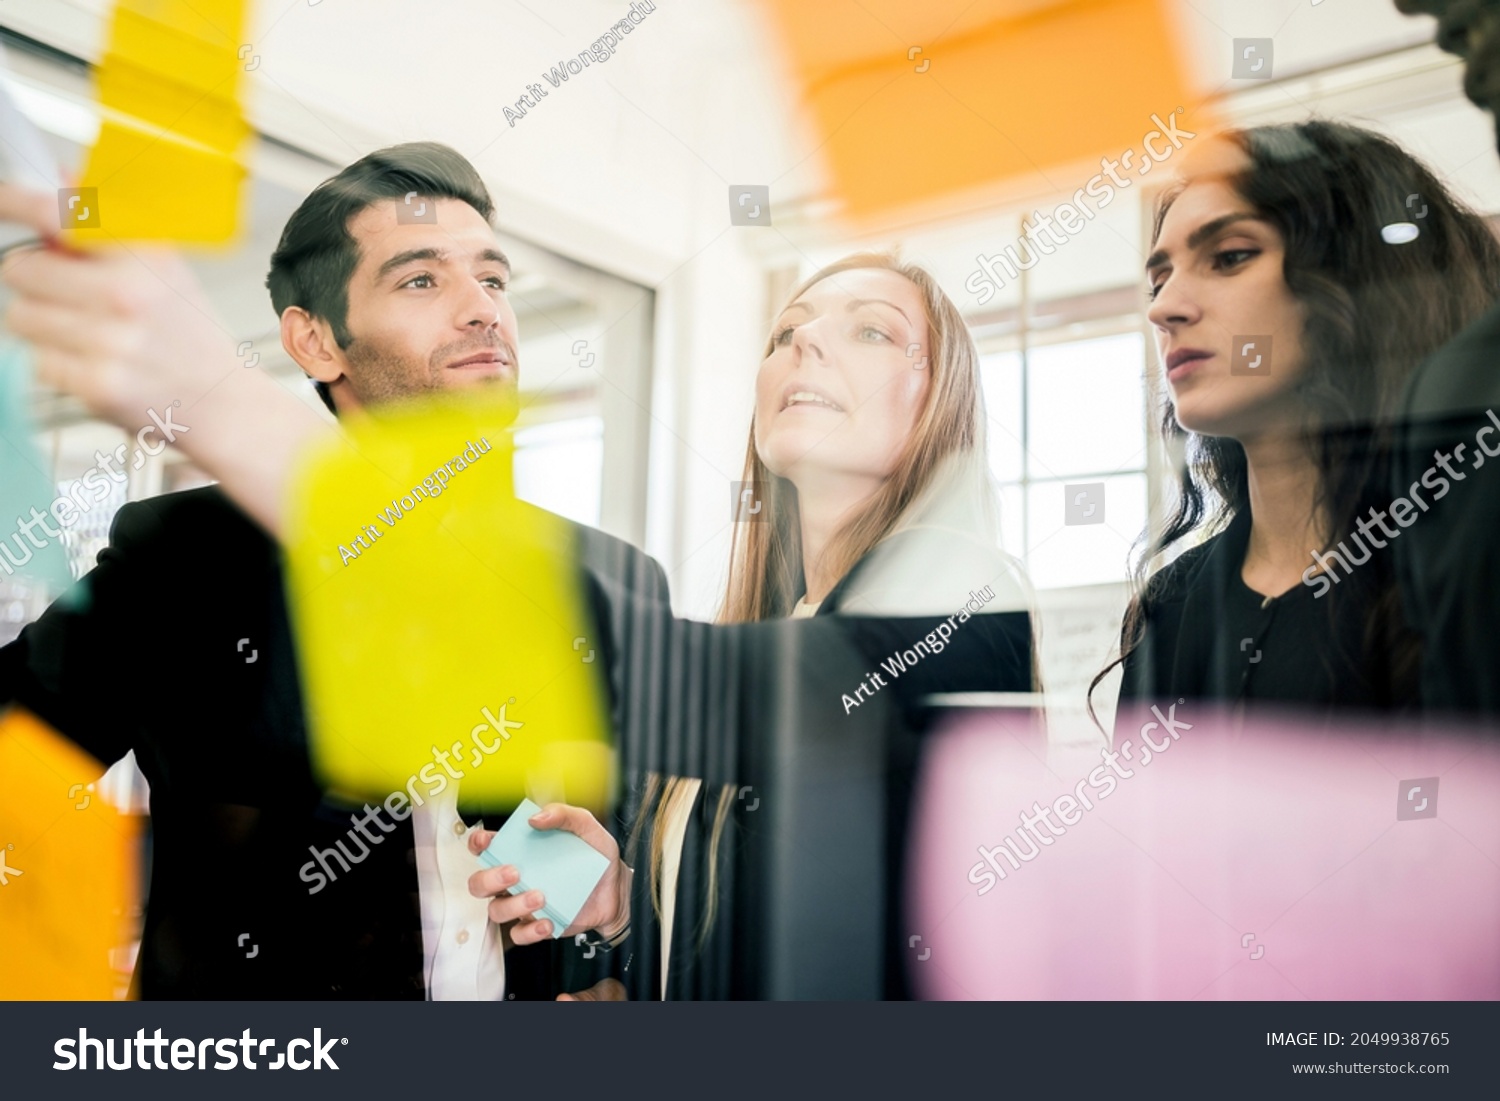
[[871, 331], [782, 336]]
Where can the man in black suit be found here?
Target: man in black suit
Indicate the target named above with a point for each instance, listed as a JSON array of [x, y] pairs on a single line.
[[1448, 570], [151, 659]]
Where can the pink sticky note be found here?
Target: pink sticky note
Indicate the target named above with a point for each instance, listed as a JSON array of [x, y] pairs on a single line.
[[1269, 860]]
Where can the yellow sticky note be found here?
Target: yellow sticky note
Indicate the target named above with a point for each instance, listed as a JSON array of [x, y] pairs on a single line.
[[68, 868], [167, 165], [440, 622]]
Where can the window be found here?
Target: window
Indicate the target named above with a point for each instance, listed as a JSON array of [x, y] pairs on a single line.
[[558, 467], [1069, 413]]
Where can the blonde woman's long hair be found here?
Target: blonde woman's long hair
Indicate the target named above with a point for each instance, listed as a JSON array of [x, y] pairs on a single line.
[[765, 573]]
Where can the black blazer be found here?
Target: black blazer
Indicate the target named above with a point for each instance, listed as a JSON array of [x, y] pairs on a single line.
[[810, 863], [150, 660], [988, 652]]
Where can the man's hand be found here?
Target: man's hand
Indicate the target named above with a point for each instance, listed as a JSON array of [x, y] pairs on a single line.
[[607, 909], [127, 329], [606, 990]]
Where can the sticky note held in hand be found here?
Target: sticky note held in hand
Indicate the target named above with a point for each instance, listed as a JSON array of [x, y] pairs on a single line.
[[562, 865]]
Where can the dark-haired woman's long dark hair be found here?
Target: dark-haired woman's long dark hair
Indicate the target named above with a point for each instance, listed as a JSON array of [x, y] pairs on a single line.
[[1372, 312]]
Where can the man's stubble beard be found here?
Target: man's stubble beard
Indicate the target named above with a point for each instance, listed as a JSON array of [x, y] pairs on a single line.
[[379, 376]]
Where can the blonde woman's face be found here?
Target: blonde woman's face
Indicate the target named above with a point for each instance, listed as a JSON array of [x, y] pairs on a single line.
[[841, 391]]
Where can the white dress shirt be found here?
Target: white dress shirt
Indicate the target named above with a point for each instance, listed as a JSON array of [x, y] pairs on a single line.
[[462, 954]]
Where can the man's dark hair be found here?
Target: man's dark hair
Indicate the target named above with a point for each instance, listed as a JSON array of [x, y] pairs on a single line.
[[317, 255]]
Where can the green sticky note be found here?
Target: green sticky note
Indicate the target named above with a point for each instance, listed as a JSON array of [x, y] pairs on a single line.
[[26, 489], [562, 865]]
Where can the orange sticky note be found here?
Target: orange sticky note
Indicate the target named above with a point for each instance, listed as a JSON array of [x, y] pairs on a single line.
[[440, 622], [912, 102], [68, 868]]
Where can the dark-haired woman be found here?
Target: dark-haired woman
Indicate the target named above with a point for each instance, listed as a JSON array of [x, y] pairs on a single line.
[[1292, 295]]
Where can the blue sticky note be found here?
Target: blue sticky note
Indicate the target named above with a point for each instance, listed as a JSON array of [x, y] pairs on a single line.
[[563, 866]]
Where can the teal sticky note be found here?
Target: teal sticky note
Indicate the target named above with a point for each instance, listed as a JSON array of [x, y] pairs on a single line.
[[26, 489], [563, 866]]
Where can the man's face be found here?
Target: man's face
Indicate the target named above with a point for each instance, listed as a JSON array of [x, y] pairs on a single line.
[[427, 306], [1470, 29]]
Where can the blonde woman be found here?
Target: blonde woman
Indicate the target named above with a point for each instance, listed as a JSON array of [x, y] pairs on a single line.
[[867, 454]]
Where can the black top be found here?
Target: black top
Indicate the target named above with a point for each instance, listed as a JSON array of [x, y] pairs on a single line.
[[1446, 561], [1209, 636]]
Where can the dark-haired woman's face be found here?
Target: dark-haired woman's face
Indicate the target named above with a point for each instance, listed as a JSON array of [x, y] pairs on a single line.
[[1228, 330]]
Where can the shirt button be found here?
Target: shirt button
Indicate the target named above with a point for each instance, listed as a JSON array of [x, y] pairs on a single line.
[[459, 827], [463, 936]]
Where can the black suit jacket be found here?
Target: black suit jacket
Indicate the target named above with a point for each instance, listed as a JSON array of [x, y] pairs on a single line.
[[151, 659], [1446, 561]]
